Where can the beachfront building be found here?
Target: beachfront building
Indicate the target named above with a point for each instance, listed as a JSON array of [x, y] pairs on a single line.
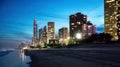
[[76, 21], [51, 29], [112, 18], [63, 35], [34, 38], [44, 38], [41, 41], [88, 29]]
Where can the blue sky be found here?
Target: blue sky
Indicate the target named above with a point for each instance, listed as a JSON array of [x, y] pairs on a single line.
[[16, 16]]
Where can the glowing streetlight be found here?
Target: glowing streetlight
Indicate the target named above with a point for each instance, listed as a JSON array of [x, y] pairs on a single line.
[[78, 36]]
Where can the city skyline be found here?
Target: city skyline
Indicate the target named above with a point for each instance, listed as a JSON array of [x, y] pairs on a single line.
[[16, 17]]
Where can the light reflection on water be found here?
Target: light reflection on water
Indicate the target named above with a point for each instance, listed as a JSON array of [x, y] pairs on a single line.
[[16, 58], [22, 56]]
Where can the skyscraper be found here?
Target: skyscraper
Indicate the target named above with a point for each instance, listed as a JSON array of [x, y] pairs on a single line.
[[45, 34], [51, 34], [112, 18], [40, 33], [35, 29], [41, 41], [34, 38], [76, 22]]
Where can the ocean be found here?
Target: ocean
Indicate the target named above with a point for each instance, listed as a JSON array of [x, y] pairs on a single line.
[[13, 58]]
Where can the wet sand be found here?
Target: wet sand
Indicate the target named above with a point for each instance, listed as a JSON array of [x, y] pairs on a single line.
[[75, 57]]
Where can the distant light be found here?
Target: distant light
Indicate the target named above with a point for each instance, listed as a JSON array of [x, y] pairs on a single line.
[[78, 36], [68, 38]]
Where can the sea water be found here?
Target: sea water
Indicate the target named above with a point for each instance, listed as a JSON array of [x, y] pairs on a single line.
[[14, 58]]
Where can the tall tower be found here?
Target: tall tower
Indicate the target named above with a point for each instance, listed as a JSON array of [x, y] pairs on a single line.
[[34, 39], [112, 18], [40, 33], [51, 35], [35, 29], [76, 22], [45, 34]]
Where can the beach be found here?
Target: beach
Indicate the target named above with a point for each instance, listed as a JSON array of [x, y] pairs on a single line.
[[75, 57]]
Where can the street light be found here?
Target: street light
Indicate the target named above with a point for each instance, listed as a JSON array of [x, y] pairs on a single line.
[[78, 36]]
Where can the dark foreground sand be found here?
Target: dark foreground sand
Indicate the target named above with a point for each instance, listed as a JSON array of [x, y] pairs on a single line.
[[75, 57]]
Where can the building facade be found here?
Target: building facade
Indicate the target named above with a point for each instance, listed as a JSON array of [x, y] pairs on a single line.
[[76, 22], [34, 38], [63, 35], [44, 35], [112, 18], [41, 41], [51, 35], [88, 29]]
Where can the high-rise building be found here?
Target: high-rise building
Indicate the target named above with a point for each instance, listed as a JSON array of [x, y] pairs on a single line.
[[35, 29], [76, 22], [88, 29], [40, 33], [45, 34], [63, 35], [112, 18], [51, 35], [41, 40], [34, 38]]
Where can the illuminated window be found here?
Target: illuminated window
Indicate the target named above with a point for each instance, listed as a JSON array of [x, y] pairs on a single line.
[[106, 14], [72, 16], [108, 1], [84, 27], [75, 15], [116, 38], [89, 33], [115, 33], [78, 23], [118, 25], [109, 6], [72, 23], [106, 24], [49, 26], [75, 26], [89, 26], [84, 16], [110, 29]]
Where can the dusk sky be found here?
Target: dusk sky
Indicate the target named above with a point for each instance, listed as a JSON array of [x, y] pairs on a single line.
[[16, 17]]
